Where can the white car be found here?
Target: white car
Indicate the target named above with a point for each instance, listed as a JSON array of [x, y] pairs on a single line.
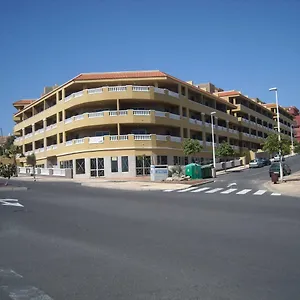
[[277, 158]]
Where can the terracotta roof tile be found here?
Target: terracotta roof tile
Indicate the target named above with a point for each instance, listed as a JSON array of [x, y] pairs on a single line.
[[23, 102], [120, 75], [228, 93]]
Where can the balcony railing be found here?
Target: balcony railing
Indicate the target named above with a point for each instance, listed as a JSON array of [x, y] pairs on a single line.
[[161, 137], [79, 117], [50, 127], [96, 140], [141, 112], [160, 114], [123, 112], [113, 138], [39, 131], [159, 90], [95, 91], [117, 88], [96, 114], [173, 94], [79, 141], [173, 116], [113, 113], [175, 139], [140, 88], [195, 121], [69, 143], [123, 137], [142, 137], [69, 120], [28, 135]]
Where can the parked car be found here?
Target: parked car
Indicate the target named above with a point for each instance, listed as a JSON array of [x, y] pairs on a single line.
[[277, 158], [266, 161], [256, 163], [275, 167]]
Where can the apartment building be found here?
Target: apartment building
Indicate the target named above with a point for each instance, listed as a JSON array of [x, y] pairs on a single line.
[[255, 120], [285, 118], [294, 111], [118, 124]]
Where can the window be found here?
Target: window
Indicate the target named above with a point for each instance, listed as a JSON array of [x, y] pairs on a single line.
[[97, 167], [139, 131], [66, 164], [186, 160], [114, 164], [80, 166], [101, 133], [162, 160], [175, 160], [124, 161]]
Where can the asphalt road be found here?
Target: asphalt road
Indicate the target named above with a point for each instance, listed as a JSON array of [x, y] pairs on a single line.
[[71, 242]]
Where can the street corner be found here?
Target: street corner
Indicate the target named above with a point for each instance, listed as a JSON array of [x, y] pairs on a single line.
[[288, 188]]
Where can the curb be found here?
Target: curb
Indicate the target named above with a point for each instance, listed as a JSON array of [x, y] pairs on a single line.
[[272, 188], [13, 188], [202, 183]]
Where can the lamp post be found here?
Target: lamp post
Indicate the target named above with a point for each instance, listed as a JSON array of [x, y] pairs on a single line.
[[274, 89], [292, 138], [213, 142]]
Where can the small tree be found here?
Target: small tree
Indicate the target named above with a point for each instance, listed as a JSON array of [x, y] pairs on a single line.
[[31, 161], [224, 151], [272, 145], [12, 152], [296, 147], [7, 171], [191, 147]]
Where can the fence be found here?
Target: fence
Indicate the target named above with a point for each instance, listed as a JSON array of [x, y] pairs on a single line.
[[51, 172]]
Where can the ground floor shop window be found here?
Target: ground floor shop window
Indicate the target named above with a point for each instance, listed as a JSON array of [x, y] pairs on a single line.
[[124, 161], [114, 164], [66, 164], [143, 164], [97, 167], [80, 166], [162, 160]]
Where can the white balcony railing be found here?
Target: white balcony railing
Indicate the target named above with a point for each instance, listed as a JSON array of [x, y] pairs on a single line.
[[142, 137], [96, 140], [113, 138], [96, 114], [173, 116], [78, 94], [159, 90], [79, 141], [42, 149], [176, 139], [54, 147], [123, 112], [207, 124], [173, 94], [50, 127], [161, 137], [49, 148], [141, 112], [113, 113], [28, 135], [123, 137], [79, 117], [95, 91], [68, 98], [39, 131], [69, 143], [140, 88], [160, 114], [69, 120], [117, 88], [208, 143]]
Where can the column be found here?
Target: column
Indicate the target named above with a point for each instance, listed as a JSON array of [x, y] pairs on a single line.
[[63, 94], [118, 128], [203, 129], [118, 104], [216, 131], [57, 97], [33, 143], [45, 125]]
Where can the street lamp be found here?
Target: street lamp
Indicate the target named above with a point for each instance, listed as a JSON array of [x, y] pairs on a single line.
[[292, 138], [274, 89], [213, 142]]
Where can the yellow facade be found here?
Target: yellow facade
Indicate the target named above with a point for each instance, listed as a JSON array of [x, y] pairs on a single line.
[[139, 115]]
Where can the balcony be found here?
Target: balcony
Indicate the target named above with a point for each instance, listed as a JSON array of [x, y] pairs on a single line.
[[196, 122]]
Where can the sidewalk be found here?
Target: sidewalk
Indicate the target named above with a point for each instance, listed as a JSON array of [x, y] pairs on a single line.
[[290, 185], [235, 169]]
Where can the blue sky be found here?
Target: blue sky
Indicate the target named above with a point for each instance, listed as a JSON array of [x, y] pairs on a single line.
[[243, 45]]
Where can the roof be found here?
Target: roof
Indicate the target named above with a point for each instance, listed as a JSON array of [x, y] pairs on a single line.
[[237, 93], [127, 75], [23, 102], [120, 75]]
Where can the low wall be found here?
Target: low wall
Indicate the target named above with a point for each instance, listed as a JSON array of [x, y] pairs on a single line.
[[52, 172]]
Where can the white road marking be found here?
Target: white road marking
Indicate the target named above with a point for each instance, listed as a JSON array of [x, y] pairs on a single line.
[[9, 273], [231, 184], [228, 191], [275, 194], [10, 202], [187, 190], [259, 192], [25, 293], [168, 191], [213, 191], [243, 192], [200, 190]]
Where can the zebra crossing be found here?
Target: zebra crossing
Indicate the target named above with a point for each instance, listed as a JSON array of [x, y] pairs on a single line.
[[222, 191]]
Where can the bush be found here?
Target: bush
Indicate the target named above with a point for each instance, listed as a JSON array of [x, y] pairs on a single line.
[[176, 171]]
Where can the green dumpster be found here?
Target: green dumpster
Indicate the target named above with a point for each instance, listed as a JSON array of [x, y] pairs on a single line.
[[206, 171], [194, 171]]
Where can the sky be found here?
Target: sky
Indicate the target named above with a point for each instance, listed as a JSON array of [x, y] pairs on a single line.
[[246, 45]]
